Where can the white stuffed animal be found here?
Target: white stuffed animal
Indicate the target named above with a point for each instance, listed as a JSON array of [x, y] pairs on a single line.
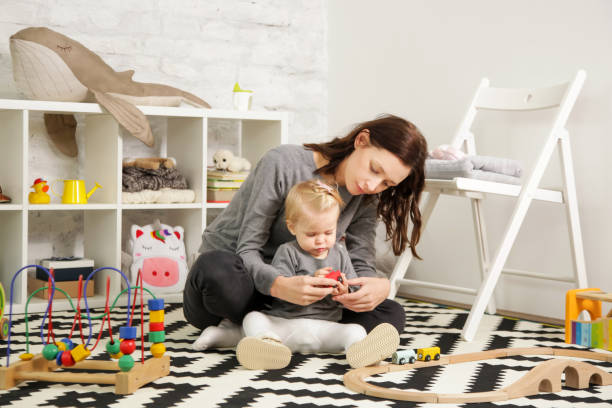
[[225, 160]]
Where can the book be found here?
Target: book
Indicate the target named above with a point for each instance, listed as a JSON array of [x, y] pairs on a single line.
[[226, 175], [65, 268], [223, 184], [220, 195]]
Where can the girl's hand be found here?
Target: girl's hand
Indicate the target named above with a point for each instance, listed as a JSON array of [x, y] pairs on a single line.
[[323, 271], [301, 290], [341, 287], [372, 292]]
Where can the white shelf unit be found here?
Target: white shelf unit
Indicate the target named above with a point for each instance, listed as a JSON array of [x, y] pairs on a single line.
[[103, 215]]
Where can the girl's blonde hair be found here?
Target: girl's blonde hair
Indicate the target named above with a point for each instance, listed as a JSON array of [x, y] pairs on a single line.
[[314, 194]]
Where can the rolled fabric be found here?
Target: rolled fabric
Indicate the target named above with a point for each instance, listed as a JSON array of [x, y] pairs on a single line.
[[448, 169], [499, 165]]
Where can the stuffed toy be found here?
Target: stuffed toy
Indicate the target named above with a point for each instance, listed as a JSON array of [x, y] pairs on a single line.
[[225, 160], [158, 252], [50, 66]]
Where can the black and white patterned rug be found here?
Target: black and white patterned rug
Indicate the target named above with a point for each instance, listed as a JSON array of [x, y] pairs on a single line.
[[215, 379]]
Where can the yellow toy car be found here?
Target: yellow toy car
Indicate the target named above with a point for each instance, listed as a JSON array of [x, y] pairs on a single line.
[[428, 353]]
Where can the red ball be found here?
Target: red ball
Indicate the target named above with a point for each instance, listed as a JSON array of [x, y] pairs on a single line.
[[67, 359], [127, 346]]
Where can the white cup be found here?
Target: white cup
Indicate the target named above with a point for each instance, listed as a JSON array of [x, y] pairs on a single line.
[[242, 100]]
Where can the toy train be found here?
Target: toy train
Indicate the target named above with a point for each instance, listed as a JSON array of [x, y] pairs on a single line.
[[410, 355]]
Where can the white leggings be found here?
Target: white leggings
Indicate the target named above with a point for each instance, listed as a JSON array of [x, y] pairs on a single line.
[[304, 335]]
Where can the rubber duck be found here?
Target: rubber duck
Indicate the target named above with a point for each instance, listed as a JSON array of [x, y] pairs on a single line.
[[39, 196]]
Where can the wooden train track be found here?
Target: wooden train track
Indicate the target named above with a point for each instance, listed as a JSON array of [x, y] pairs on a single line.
[[545, 377]]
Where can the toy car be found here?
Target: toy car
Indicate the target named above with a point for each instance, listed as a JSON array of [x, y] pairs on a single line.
[[426, 354], [404, 356]]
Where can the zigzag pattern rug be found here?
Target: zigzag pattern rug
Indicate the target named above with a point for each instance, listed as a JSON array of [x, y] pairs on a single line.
[[215, 379]]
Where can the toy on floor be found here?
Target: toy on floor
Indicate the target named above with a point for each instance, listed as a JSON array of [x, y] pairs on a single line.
[[4, 323], [427, 354], [65, 353], [404, 356], [39, 195], [545, 377], [597, 332]]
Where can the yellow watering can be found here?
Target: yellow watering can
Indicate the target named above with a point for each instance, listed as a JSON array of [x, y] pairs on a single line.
[[75, 192]]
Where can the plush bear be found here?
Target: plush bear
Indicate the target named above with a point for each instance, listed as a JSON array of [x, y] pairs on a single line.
[[225, 160]]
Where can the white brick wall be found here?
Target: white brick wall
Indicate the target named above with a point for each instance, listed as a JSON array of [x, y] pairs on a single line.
[[277, 48]]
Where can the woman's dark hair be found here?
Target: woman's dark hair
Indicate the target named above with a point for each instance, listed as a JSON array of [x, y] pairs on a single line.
[[395, 204]]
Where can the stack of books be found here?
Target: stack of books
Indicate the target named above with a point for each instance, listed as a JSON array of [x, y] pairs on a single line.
[[222, 185]]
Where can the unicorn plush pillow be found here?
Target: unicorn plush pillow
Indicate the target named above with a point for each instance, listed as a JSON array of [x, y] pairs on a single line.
[[158, 251]]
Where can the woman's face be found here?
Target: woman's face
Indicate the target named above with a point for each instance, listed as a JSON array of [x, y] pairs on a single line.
[[369, 169]]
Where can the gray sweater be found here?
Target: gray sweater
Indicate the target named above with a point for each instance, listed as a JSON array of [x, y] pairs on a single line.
[[253, 224], [291, 260]]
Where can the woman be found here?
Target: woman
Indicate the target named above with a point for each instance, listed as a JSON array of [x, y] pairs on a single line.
[[379, 169]]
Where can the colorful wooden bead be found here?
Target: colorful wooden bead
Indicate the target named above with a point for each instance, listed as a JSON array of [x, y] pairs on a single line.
[[69, 344], [127, 346], [67, 359], [50, 352], [127, 332], [158, 349], [58, 359], [26, 356], [61, 346], [156, 326], [112, 347], [156, 316], [79, 353], [117, 356], [157, 337], [126, 363], [156, 304]]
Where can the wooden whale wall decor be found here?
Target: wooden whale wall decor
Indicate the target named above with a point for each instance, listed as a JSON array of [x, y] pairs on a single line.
[[50, 66]]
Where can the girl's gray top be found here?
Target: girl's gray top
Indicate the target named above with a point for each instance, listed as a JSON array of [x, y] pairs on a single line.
[[253, 224], [291, 260]]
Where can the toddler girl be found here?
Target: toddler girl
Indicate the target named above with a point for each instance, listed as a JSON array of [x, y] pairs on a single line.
[[311, 209]]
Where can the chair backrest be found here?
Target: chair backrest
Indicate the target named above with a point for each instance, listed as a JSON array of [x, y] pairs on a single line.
[[562, 96]]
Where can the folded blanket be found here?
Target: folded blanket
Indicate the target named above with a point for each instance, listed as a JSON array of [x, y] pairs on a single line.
[[162, 196], [500, 165], [449, 169], [138, 179]]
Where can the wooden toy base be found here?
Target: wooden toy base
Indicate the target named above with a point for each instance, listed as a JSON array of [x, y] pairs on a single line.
[[40, 369], [545, 377]]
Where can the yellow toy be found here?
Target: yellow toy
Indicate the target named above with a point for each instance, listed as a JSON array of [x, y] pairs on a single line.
[[39, 196], [4, 323]]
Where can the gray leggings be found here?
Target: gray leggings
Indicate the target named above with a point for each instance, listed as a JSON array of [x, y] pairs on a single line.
[[218, 286]]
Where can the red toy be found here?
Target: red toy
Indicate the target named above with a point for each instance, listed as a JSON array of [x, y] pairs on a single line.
[[335, 275]]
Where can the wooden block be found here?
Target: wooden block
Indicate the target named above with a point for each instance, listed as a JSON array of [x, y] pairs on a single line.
[[595, 295], [490, 396], [141, 374], [70, 287], [597, 334], [573, 332]]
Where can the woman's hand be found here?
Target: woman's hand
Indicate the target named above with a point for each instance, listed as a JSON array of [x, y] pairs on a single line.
[[371, 293], [301, 290], [341, 287]]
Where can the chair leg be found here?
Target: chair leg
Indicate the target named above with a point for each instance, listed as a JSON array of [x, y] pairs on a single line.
[[482, 246], [571, 207], [488, 285], [401, 266]]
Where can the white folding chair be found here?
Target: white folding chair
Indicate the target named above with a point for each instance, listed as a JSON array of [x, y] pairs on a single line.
[[562, 97]]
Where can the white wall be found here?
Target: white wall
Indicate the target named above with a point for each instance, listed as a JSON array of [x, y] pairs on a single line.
[[423, 60], [274, 47]]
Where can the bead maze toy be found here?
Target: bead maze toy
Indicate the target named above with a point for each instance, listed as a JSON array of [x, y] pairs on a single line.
[[545, 377], [65, 354], [597, 332], [4, 324]]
